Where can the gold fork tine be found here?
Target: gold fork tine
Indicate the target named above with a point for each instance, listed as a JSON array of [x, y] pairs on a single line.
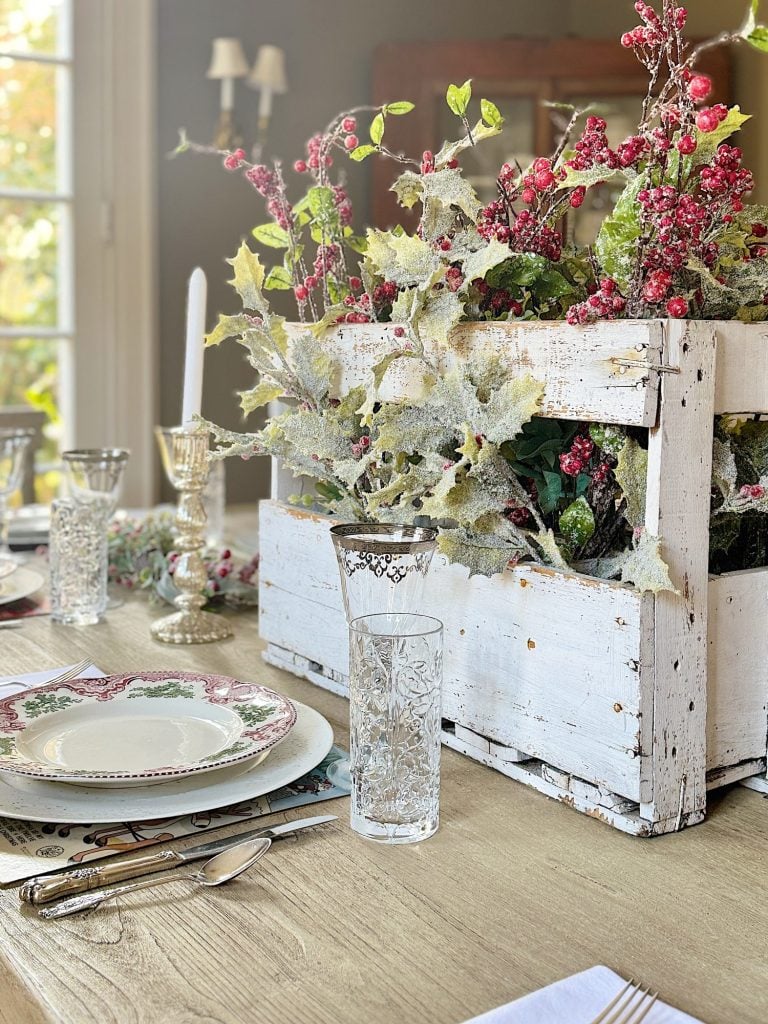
[[602, 1018], [70, 673]]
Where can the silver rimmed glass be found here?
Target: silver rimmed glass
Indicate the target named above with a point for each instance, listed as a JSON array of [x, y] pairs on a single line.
[[14, 442], [395, 677], [383, 567], [94, 477]]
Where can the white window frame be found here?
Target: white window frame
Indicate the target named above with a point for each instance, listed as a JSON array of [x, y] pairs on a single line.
[[115, 245]]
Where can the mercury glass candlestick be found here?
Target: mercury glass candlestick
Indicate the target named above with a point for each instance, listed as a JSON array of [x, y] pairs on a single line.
[[184, 454]]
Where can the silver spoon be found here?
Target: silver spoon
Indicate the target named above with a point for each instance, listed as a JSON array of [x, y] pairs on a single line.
[[219, 869]]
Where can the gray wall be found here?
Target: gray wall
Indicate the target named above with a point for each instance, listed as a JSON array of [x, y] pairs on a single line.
[[204, 212]]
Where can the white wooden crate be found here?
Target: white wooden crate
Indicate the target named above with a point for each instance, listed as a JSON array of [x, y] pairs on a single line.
[[625, 706]]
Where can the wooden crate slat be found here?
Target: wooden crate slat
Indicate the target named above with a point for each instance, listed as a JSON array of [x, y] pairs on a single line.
[[737, 687], [741, 383], [603, 372], [677, 510]]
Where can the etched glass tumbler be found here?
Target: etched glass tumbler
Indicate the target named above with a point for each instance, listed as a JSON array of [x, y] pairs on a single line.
[[395, 676], [383, 568], [78, 563]]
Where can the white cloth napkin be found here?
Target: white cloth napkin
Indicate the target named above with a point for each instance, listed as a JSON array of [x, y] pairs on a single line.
[[575, 1000], [15, 684]]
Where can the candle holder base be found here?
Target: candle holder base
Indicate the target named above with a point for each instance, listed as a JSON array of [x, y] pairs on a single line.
[[191, 627]]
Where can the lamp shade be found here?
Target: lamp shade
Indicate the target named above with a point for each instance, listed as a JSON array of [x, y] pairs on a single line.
[[227, 60], [269, 70]]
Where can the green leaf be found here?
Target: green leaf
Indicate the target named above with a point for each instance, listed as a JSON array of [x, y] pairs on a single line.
[[399, 107], [262, 394], [550, 495], [491, 114], [249, 277], [482, 554], [708, 142], [589, 178], [361, 152], [357, 243], [616, 244], [608, 439], [377, 129], [577, 523], [479, 263], [321, 204], [458, 96], [278, 279], [227, 327], [759, 38], [750, 22], [272, 235]]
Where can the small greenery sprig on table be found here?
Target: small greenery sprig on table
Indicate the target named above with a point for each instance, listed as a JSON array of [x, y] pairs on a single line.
[[142, 557], [468, 452]]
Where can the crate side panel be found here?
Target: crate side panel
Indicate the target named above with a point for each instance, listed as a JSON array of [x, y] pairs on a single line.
[[737, 686], [542, 661], [602, 372]]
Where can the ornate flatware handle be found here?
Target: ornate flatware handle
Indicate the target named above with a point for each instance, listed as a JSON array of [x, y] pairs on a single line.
[[45, 888]]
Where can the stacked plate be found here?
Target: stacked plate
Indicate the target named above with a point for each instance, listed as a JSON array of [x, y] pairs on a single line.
[[150, 745], [17, 581]]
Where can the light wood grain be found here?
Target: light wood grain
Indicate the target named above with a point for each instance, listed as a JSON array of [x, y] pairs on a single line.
[[513, 892]]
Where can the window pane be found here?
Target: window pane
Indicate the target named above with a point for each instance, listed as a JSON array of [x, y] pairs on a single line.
[[481, 164], [35, 26], [29, 242], [28, 106]]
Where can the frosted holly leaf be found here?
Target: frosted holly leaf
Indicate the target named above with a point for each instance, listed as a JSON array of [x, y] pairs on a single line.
[[577, 523], [449, 188], [408, 189], [720, 300], [510, 407], [587, 179], [404, 259], [264, 393], [478, 264], [313, 367], [249, 278], [469, 495], [616, 244], [405, 305], [415, 480], [707, 143], [313, 434], [609, 439], [608, 568], [723, 468], [482, 554], [441, 312], [750, 280], [349, 471], [631, 474], [645, 568], [228, 327], [233, 443]]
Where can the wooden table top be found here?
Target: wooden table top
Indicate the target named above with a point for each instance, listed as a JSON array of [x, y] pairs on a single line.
[[514, 892]]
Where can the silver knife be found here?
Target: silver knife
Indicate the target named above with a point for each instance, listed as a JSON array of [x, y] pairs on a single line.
[[45, 888]]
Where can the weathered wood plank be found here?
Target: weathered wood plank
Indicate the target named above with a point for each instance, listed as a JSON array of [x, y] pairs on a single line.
[[603, 372], [737, 687], [741, 383], [674, 692]]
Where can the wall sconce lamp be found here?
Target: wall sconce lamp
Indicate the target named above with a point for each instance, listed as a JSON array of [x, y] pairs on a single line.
[[227, 63], [268, 76]]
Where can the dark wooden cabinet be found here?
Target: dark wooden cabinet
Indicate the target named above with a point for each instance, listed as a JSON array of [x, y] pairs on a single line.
[[519, 75]]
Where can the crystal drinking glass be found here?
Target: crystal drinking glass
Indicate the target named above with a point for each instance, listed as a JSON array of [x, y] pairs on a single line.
[[395, 675], [13, 446], [94, 478], [383, 568], [78, 563]]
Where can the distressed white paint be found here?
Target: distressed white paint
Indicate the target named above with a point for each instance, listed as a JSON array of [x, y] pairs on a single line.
[[674, 688], [742, 368], [605, 372]]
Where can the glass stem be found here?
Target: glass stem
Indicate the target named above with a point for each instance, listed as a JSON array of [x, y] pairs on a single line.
[[4, 525]]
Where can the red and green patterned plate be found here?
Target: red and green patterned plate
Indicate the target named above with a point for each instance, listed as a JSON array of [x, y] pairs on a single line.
[[139, 728]]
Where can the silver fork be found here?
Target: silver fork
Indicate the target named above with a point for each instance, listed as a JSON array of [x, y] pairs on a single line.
[[626, 1007], [62, 677]]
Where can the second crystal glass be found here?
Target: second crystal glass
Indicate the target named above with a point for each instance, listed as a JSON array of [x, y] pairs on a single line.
[[78, 563]]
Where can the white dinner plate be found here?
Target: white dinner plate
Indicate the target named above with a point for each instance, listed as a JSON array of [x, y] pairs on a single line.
[[20, 584], [137, 727], [302, 750], [8, 566], [30, 525]]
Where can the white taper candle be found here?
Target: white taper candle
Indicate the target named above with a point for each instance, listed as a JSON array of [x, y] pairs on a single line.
[[193, 363]]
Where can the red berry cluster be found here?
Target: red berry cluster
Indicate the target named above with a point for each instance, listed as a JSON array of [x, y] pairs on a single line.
[[726, 177], [232, 161], [496, 301], [710, 118], [652, 35], [606, 303], [454, 278], [267, 183], [592, 148], [359, 448], [517, 514], [754, 491]]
